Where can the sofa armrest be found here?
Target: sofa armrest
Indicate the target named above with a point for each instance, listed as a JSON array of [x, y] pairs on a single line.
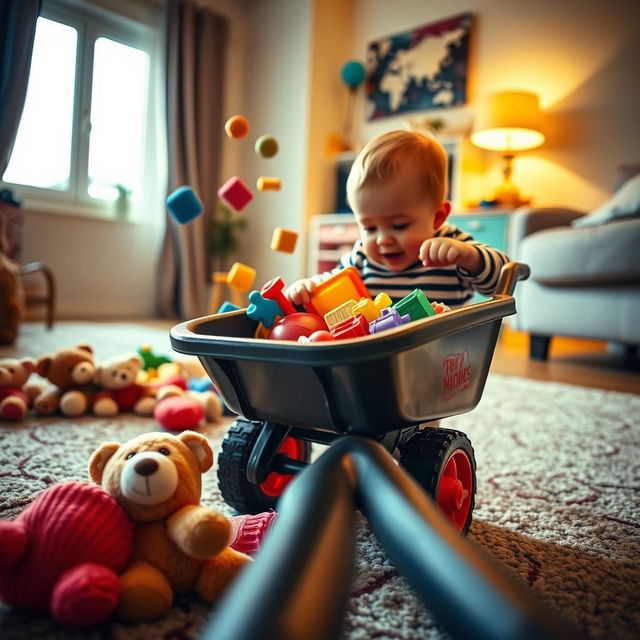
[[526, 221]]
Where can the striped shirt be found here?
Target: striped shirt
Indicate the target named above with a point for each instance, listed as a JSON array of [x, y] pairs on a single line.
[[450, 285]]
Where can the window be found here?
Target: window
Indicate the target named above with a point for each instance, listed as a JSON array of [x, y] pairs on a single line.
[[85, 136]]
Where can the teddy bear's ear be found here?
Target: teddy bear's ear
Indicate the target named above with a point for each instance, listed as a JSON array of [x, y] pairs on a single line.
[[97, 375], [43, 364], [200, 447], [85, 347], [136, 359], [99, 459], [28, 364]]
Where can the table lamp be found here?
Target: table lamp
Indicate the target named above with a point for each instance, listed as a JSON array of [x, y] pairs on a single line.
[[508, 122]]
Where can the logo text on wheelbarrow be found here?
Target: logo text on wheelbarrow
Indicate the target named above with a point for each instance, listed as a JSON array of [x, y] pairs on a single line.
[[456, 373]]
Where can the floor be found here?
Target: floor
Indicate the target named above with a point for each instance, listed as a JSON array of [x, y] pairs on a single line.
[[584, 362]]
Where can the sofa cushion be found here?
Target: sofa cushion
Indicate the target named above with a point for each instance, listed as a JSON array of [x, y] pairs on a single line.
[[624, 204], [603, 254]]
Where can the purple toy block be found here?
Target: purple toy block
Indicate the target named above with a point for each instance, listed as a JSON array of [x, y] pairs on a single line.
[[389, 319], [263, 309], [235, 193]]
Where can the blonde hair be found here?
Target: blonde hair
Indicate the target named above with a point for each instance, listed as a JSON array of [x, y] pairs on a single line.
[[396, 151]]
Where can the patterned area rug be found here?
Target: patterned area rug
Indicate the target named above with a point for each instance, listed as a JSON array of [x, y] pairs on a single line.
[[558, 502]]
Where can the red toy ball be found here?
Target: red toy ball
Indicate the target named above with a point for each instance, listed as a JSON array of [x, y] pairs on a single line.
[[321, 336], [294, 325]]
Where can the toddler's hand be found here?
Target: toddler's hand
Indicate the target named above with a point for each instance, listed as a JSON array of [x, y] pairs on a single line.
[[300, 291], [443, 252]]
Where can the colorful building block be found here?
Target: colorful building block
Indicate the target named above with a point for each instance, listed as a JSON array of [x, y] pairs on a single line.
[[241, 276], [341, 287], [268, 184], [226, 307], [266, 146], [235, 193], [184, 205], [371, 309], [283, 240], [274, 291], [389, 319], [416, 305], [236, 126], [354, 327], [340, 313], [263, 310]]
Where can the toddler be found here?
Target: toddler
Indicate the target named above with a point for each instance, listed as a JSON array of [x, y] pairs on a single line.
[[397, 188]]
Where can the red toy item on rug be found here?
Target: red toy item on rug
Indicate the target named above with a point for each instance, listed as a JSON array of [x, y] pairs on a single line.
[[64, 553], [14, 400]]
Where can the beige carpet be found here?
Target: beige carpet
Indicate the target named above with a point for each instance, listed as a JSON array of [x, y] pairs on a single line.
[[558, 501]]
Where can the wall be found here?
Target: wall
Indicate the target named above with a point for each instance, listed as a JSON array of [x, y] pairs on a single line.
[[580, 56], [276, 102]]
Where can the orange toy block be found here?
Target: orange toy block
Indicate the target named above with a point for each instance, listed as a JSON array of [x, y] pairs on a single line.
[[268, 184], [343, 286], [241, 276], [283, 240]]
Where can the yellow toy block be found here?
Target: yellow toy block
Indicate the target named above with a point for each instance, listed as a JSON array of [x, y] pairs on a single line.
[[341, 287], [340, 313], [268, 184], [371, 309], [241, 276], [283, 240]]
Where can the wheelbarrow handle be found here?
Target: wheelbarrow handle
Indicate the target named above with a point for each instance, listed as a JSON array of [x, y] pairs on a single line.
[[510, 274]]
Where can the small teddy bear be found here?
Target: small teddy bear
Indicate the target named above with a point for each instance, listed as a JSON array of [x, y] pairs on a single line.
[[14, 398], [116, 377], [179, 545], [70, 371]]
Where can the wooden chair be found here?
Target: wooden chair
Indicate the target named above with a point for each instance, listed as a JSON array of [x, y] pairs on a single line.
[[11, 226]]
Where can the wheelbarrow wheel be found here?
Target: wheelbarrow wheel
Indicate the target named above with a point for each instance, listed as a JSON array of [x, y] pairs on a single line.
[[443, 463], [235, 487]]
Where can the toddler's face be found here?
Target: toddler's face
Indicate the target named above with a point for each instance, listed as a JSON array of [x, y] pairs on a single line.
[[395, 218]]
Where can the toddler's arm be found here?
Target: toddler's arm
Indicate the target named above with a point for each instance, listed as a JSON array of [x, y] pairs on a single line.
[[300, 291], [443, 252]]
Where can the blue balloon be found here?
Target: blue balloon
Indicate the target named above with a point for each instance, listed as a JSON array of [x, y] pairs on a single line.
[[353, 73]]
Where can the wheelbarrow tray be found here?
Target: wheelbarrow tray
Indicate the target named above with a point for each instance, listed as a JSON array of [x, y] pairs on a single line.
[[425, 370]]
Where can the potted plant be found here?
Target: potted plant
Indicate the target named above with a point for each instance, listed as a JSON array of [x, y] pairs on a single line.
[[224, 235]]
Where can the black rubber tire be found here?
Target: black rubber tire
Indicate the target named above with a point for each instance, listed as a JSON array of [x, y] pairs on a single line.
[[424, 457], [236, 489]]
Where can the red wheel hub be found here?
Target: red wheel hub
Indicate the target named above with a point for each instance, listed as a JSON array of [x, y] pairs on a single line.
[[455, 488], [275, 483]]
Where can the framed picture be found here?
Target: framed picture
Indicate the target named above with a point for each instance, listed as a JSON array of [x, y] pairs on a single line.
[[424, 68]]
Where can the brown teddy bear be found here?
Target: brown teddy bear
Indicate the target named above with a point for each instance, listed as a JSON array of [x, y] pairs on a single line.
[[70, 370], [14, 396], [116, 377], [179, 545]]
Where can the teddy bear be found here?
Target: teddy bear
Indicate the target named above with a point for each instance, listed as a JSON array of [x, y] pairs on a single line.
[[119, 390], [70, 371], [179, 545], [64, 554], [14, 396]]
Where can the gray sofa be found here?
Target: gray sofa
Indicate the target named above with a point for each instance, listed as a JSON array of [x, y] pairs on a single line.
[[585, 280]]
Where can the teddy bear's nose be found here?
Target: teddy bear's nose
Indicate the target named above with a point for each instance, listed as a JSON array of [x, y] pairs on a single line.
[[146, 467]]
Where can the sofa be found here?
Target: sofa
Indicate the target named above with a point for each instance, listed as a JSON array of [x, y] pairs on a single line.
[[585, 271]]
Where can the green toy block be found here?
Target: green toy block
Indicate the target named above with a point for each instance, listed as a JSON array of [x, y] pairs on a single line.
[[151, 360], [416, 304]]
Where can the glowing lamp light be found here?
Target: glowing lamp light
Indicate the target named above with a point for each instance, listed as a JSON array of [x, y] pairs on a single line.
[[508, 122]]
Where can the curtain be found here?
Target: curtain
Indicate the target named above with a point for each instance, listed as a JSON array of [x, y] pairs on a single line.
[[17, 32], [196, 42]]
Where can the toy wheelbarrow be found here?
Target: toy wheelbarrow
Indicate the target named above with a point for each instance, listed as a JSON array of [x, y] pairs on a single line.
[[365, 397]]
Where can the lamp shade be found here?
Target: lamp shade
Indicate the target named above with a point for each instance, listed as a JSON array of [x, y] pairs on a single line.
[[508, 121]]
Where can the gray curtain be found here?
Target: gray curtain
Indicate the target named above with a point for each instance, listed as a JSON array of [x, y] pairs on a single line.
[[17, 31], [196, 43]]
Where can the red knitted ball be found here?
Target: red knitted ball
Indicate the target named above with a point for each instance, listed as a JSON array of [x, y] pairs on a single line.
[[69, 525]]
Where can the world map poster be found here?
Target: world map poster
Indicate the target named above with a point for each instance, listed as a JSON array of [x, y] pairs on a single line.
[[424, 68]]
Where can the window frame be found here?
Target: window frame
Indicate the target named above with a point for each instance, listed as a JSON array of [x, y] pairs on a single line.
[[92, 22]]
